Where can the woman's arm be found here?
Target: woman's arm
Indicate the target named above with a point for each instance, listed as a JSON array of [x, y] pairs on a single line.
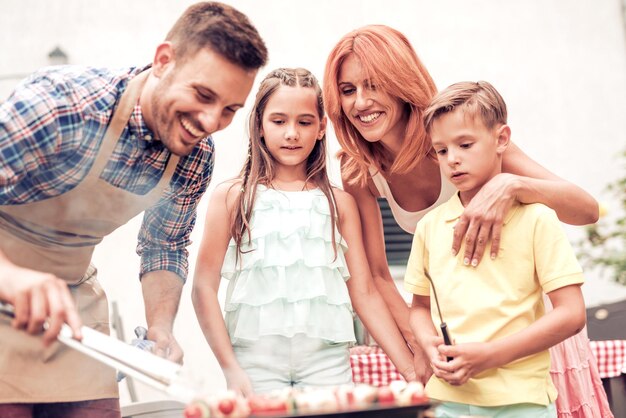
[[365, 297], [526, 181], [207, 280], [566, 319], [374, 243]]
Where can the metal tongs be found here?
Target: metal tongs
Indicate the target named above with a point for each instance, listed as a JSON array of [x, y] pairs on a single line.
[[146, 367], [442, 325]]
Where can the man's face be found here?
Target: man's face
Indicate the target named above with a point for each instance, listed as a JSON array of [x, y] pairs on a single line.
[[194, 96]]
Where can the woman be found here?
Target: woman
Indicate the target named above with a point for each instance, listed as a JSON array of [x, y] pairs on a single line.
[[375, 89]]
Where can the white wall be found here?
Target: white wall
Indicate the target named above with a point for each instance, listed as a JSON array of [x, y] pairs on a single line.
[[560, 65]]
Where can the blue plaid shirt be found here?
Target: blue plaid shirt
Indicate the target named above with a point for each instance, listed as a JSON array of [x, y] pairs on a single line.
[[51, 128]]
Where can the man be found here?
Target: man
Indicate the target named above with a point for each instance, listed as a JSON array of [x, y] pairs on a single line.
[[82, 151]]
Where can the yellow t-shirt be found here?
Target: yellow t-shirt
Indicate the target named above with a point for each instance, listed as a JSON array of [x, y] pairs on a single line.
[[495, 299]]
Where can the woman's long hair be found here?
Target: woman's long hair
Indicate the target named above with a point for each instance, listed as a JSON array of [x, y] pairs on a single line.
[[259, 165], [391, 62]]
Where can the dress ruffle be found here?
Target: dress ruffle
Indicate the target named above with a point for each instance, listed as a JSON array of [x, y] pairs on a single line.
[[575, 374], [289, 279]]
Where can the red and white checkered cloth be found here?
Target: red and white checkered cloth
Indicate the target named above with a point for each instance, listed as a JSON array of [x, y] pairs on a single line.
[[370, 365], [611, 357]]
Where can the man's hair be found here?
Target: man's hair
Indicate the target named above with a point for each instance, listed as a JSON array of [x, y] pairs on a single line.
[[221, 28], [476, 98]]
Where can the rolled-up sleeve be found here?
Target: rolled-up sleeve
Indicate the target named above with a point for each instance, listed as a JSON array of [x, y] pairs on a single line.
[[165, 233]]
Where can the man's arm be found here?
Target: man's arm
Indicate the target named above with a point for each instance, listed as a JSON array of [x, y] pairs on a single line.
[[161, 294]]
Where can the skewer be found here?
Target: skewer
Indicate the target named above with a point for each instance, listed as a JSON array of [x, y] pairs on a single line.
[[442, 325]]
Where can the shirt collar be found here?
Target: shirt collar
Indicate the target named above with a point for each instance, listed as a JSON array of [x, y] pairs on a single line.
[[137, 127], [454, 209]]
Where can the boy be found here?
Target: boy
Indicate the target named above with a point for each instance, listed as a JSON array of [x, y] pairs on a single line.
[[494, 311]]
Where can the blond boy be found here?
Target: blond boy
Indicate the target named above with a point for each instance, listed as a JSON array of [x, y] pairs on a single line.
[[494, 311]]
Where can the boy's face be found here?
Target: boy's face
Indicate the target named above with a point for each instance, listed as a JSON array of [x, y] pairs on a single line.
[[468, 153]]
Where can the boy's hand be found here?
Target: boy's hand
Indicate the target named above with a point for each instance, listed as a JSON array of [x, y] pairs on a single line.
[[468, 360]]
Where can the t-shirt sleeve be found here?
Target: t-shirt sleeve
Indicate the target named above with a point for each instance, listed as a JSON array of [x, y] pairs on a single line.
[[555, 263], [414, 279]]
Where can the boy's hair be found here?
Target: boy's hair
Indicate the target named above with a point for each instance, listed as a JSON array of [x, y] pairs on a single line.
[[391, 63], [259, 165], [476, 98], [221, 28]]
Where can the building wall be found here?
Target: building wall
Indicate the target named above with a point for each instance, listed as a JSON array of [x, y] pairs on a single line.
[[560, 65]]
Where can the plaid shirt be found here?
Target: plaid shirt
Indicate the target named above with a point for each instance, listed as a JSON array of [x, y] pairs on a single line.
[[51, 128]]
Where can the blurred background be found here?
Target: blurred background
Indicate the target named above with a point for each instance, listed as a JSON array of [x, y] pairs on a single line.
[[559, 64]]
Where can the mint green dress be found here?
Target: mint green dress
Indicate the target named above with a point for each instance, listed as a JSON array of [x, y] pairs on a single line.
[[288, 280]]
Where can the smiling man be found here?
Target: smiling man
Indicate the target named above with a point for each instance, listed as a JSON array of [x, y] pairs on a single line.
[[82, 151]]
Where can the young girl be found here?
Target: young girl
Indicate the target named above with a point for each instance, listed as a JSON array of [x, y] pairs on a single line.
[[290, 245]]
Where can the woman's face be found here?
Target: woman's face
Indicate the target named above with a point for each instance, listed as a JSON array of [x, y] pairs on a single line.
[[377, 115]]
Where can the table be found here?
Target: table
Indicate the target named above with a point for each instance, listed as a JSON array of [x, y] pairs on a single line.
[[611, 357]]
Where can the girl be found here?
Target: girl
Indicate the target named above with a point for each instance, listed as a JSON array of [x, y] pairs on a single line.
[[290, 245], [376, 90]]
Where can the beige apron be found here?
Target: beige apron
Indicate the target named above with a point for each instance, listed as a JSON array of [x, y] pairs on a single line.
[[58, 235]]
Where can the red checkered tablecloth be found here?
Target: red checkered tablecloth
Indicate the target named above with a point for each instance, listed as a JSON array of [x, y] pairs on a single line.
[[611, 357], [371, 365]]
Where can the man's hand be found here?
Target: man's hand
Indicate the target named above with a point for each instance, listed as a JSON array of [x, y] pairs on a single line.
[[166, 345], [38, 298]]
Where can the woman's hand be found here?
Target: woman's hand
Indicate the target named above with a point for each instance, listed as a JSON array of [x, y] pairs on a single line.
[[483, 217], [423, 371]]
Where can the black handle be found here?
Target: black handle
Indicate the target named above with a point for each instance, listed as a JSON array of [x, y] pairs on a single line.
[[446, 337]]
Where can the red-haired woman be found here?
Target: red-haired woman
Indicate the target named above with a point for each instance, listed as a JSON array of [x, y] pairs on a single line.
[[375, 90]]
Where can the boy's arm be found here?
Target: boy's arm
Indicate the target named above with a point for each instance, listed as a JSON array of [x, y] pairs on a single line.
[[365, 298], [566, 319], [206, 285]]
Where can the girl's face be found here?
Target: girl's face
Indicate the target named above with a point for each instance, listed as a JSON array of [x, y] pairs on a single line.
[[291, 126], [377, 115]]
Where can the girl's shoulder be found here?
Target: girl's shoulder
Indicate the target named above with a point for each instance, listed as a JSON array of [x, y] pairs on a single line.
[[345, 201], [228, 191]]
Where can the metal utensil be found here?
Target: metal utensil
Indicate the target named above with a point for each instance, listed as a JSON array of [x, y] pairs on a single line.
[[146, 367], [443, 326]]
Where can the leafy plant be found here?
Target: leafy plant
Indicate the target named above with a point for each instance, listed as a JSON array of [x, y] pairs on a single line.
[[604, 244]]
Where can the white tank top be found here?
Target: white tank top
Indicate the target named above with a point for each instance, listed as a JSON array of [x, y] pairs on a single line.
[[405, 219]]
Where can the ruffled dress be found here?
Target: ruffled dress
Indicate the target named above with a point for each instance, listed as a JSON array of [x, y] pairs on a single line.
[[575, 375], [288, 281]]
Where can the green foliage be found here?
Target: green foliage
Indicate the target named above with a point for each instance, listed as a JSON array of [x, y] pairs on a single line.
[[604, 244]]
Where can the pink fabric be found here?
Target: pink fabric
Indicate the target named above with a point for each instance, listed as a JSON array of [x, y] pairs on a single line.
[[575, 374]]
